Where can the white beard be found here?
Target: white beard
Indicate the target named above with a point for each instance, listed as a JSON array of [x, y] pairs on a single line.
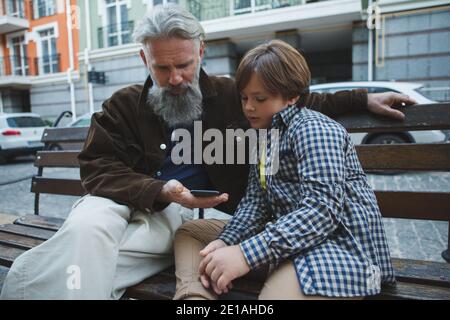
[[177, 110]]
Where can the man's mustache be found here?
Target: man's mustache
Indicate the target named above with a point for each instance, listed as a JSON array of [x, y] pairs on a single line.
[[183, 87]]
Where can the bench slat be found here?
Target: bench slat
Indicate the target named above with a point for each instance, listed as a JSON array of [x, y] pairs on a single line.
[[423, 272], [160, 286], [8, 254], [69, 187], [18, 241], [47, 223], [418, 117], [414, 291], [75, 134], [414, 205], [65, 159], [36, 233], [425, 157]]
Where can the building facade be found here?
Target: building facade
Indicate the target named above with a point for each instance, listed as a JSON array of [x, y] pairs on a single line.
[[410, 41], [38, 41]]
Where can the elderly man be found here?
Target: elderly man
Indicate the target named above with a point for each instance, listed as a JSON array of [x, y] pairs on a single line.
[[122, 231]]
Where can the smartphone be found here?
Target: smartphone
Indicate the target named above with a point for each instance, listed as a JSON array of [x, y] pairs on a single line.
[[205, 193]]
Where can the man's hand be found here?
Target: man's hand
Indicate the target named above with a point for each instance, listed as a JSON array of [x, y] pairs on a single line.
[[174, 191], [382, 103], [223, 265]]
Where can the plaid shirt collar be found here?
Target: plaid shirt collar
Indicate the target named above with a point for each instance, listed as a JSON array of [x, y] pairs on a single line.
[[282, 119]]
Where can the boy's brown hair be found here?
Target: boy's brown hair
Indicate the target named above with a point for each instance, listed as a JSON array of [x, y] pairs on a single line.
[[279, 66]]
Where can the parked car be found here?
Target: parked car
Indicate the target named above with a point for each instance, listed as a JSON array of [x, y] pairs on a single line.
[[411, 89], [20, 134], [82, 121]]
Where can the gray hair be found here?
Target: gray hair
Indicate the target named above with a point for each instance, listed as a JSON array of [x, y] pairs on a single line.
[[168, 20]]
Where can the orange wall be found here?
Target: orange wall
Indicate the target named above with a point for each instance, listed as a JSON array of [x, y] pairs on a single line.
[[62, 42]]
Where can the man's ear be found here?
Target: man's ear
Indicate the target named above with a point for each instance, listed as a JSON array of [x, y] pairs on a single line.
[[202, 49], [144, 59]]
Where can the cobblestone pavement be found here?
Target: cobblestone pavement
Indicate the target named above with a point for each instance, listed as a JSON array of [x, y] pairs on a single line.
[[412, 239]]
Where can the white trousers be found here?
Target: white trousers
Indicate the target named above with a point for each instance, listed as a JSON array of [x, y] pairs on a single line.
[[101, 249]]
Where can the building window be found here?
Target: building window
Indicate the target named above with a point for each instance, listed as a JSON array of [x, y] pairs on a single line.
[[156, 2], [19, 59], [15, 8], [48, 62], [118, 30], [247, 6], [44, 8]]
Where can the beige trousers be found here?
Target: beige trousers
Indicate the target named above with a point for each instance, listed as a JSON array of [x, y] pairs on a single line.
[[102, 248], [193, 236]]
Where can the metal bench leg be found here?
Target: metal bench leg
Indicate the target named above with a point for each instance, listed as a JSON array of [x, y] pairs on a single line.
[[36, 204], [446, 253]]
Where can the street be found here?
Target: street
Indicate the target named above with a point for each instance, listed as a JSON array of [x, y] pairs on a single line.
[[412, 239]]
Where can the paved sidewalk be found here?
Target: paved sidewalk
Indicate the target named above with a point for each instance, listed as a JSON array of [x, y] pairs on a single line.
[[7, 218]]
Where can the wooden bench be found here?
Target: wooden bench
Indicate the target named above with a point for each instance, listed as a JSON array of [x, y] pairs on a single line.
[[415, 279]]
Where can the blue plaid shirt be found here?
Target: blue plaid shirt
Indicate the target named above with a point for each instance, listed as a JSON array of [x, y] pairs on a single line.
[[318, 211]]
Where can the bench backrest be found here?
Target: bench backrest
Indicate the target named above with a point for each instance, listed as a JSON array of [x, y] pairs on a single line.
[[48, 158], [405, 157]]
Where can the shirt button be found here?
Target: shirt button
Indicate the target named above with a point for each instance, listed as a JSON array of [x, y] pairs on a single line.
[[163, 146], [159, 173]]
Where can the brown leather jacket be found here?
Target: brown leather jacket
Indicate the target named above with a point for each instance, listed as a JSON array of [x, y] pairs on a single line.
[[123, 149]]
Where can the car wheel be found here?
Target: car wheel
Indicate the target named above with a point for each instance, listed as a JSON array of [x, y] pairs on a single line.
[[55, 147], [388, 139]]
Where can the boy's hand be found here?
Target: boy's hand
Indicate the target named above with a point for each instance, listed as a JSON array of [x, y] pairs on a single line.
[[213, 245], [223, 265]]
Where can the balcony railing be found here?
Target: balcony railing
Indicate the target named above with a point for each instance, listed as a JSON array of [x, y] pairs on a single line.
[[13, 8], [115, 34], [15, 66], [47, 64], [12, 16], [25, 66], [225, 8]]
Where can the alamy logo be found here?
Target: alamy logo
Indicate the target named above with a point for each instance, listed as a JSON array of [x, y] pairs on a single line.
[[234, 146], [74, 279]]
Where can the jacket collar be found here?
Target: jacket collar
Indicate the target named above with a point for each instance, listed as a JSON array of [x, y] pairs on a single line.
[[206, 87]]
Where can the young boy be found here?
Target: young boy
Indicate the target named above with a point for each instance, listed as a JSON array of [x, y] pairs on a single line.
[[315, 221]]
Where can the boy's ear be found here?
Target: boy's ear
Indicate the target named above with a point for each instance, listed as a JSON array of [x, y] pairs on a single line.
[[293, 100]]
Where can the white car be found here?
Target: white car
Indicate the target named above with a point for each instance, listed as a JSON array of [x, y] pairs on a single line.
[[20, 134], [411, 89], [82, 121]]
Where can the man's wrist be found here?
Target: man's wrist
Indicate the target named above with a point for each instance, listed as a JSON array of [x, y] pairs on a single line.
[[164, 195]]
